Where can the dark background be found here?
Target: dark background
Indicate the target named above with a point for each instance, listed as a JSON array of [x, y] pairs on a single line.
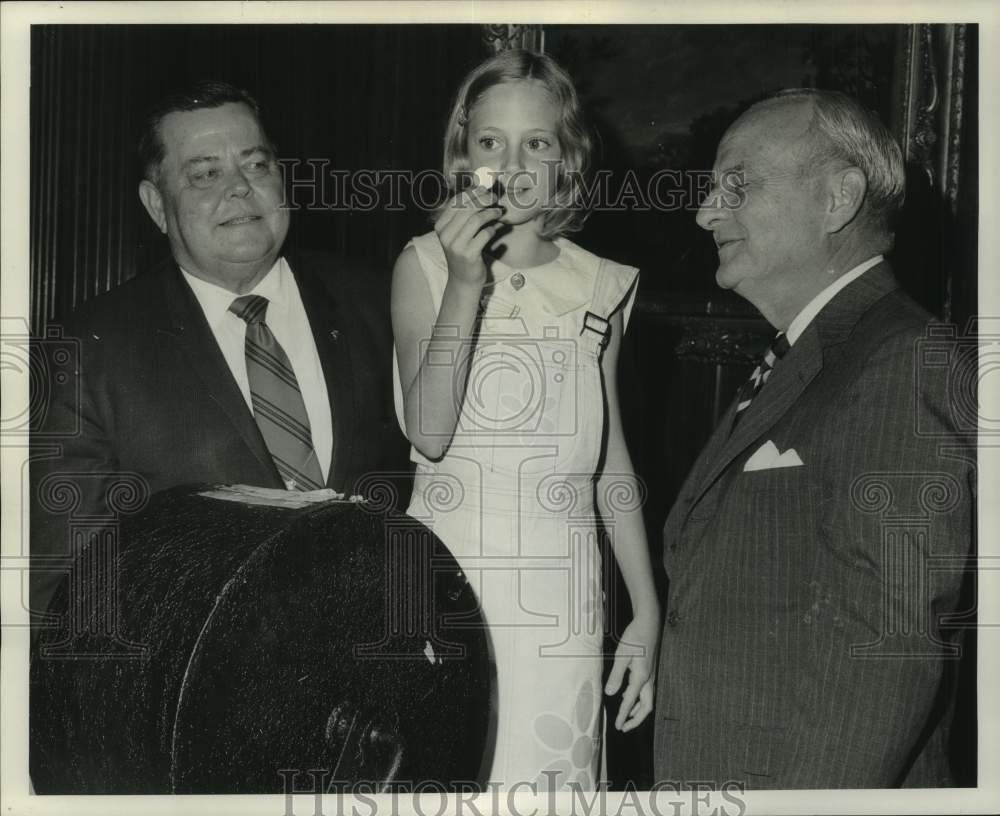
[[376, 97]]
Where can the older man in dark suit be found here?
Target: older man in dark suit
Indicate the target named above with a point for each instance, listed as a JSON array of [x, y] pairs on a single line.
[[812, 551], [231, 363]]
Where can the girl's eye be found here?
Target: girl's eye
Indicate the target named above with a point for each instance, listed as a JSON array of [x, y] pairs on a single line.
[[538, 144], [488, 142]]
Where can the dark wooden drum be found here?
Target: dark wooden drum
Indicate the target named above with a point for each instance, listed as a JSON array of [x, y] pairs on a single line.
[[252, 649]]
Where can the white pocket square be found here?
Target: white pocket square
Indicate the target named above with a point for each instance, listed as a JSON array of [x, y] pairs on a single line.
[[767, 457]]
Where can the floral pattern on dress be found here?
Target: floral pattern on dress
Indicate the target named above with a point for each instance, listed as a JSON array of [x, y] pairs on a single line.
[[575, 738]]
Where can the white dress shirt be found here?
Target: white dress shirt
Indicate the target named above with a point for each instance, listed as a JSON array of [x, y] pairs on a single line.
[[814, 306], [287, 320]]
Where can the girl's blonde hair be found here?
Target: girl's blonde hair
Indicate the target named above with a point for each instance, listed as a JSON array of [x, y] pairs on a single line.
[[567, 212]]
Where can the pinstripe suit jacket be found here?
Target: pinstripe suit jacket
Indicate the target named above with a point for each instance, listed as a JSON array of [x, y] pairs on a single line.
[[803, 646]]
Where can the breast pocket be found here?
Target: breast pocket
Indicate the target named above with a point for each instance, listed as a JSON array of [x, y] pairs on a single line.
[[779, 480]]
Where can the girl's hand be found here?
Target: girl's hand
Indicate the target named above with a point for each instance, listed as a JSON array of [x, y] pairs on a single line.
[[465, 228], [637, 653]]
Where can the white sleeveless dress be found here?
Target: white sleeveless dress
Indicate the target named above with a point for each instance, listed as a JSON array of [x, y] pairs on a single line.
[[513, 499]]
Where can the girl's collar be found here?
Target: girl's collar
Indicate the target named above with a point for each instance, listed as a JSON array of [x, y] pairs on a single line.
[[508, 270]]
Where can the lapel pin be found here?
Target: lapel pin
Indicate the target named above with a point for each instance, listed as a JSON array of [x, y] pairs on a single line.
[[334, 334]]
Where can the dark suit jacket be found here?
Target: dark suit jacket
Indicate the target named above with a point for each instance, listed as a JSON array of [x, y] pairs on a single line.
[[803, 645], [149, 402]]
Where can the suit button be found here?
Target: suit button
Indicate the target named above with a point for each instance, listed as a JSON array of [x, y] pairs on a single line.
[[673, 618]]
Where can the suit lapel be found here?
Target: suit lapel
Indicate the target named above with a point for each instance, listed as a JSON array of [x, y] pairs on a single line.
[[784, 387], [327, 321], [713, 447], [189, 330], [794, 372], [689, 489]]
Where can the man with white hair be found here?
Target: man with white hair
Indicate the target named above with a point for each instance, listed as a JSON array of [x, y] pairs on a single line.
[[812, 550]]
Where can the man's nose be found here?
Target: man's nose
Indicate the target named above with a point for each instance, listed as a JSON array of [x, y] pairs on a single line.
[[711, 209], [238, 185]]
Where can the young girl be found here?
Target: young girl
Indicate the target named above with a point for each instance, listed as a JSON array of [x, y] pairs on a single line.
[[507, 339]]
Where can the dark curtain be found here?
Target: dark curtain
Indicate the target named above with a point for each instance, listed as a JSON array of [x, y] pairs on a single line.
[[363, 96]]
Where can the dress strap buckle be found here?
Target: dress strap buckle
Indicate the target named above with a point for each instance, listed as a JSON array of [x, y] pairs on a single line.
[[599, 326]]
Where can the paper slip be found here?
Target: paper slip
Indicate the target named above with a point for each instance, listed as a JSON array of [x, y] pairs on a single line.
[[272, 497]]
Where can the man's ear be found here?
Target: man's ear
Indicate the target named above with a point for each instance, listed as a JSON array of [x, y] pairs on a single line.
[[151, 199], [847, 193]]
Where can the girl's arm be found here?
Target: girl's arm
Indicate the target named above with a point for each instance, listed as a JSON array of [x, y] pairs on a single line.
[[623, 519], [433, 349]]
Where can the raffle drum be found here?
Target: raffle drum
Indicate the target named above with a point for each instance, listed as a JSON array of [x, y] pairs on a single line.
[[260, 649]]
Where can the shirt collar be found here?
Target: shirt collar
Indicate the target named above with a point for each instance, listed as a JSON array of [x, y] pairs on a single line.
[[215, 300], [814, 306]]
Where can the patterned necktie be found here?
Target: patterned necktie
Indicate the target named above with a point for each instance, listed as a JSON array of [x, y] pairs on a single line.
[[277, 402], [752, 387]]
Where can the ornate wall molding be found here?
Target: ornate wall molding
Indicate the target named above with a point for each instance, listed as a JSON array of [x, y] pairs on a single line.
[[956, 94], [504, 36], [718, 330], [719, 342], [933, 66], [931, 123]]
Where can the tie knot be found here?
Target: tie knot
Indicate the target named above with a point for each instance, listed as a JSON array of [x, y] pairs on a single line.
[[780, 345], [251, 308]]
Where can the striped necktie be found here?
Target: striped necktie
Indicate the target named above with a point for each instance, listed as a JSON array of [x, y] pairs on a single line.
[[277, 402], [752, 387]]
